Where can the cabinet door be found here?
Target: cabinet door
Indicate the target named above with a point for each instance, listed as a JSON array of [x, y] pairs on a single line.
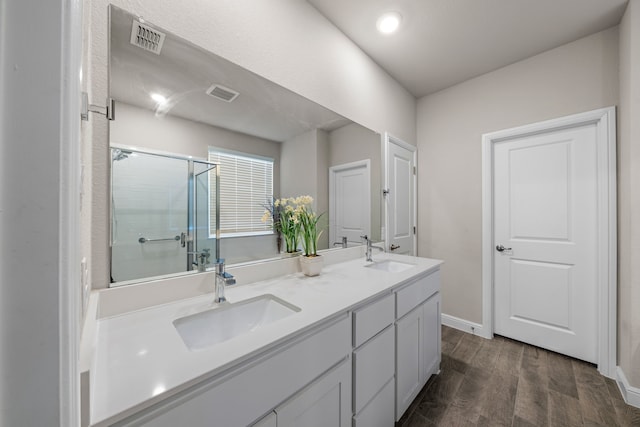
[[324, 403], [431, 337], [409, 361]]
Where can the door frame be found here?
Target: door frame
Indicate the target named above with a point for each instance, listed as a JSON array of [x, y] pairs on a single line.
[[605, 122], [387, 140], [366, 163]]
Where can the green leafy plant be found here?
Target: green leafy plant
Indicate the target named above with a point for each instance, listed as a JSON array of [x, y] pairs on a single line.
[[294, 218], [309, 230], [285, 221]]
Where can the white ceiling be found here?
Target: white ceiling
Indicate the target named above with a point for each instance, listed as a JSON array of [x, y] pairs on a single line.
[[444, 42]]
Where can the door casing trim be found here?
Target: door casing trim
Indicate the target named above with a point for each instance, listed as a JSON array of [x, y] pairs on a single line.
[[605, 122]]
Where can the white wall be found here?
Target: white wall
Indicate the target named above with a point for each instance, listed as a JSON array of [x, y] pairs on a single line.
[[286, 41], [39, 127], [298, 171], [573, 78], [629, 196]]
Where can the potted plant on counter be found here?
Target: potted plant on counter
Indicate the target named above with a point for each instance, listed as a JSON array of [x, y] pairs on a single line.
[[310, 263], [286, 223]]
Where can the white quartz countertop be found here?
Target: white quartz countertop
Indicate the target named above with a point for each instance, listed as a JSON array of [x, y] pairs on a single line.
[[140, 359]]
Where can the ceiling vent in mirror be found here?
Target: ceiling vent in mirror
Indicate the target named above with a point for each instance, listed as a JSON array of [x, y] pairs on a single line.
[[146, 37], [222, 93]]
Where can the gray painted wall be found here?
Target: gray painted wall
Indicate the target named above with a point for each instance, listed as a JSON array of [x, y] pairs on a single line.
[[573, 78]]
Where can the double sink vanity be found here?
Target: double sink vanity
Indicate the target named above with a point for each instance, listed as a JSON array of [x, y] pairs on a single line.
[[352, 346]]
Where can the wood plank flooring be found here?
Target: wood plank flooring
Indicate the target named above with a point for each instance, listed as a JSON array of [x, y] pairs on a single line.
[[502, 382]]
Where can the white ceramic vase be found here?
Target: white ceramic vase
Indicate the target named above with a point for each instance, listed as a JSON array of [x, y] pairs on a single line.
[[311, 265]]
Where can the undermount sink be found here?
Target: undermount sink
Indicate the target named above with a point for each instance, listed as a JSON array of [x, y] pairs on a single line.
[[390, 266], [204, 329]]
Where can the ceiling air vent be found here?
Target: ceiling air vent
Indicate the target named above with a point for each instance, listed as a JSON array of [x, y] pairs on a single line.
[[146, 37], [222, 93]]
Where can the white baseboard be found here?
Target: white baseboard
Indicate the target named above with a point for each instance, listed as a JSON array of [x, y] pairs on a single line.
[[630, 394], [465, 326]]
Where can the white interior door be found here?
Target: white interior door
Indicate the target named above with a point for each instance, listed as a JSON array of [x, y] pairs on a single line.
[[350, 201], [400, 199], [545, 218]]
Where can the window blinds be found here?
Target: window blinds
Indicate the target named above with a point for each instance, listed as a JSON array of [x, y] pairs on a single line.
[[246, 186]]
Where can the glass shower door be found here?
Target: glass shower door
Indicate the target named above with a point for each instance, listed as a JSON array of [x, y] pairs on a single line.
[[149, 209], [205, 208]]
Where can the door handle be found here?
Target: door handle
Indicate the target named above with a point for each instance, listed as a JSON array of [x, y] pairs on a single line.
[[394, 247], [501, 248], [184, 238]]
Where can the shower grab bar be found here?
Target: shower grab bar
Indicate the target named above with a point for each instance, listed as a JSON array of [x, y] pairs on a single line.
[[145, 240]]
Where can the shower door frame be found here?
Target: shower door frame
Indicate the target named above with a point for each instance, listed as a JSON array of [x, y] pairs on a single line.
[[191, 208]]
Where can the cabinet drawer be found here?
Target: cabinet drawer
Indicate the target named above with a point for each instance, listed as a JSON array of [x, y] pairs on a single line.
[[373, 366], [379, 412], [417, 292], [371, 319]]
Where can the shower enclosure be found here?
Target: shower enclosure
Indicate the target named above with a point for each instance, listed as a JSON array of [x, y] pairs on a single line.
[[163, 214]]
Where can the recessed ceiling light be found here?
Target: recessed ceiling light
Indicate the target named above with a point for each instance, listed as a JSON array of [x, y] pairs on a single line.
[[158, 98], [389, 22]]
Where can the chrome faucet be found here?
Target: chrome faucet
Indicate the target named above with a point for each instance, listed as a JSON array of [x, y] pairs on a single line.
[[202, 259], [343, 242], [367, 240], [222, 279]]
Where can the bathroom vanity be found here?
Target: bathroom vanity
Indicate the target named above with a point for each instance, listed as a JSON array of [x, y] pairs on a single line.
[[353, 346]]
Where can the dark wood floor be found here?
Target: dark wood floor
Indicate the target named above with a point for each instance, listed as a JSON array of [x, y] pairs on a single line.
[[502, 382]]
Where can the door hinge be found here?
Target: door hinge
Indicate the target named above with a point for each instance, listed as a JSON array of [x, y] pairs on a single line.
[[414, 170], [414, 229]]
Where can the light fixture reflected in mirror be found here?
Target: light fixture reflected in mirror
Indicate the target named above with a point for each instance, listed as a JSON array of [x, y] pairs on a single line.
[[389, 22]]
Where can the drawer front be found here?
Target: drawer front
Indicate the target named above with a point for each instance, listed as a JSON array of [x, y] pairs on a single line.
[[369, 320], [416, 293], [379, 412], [373, 366]]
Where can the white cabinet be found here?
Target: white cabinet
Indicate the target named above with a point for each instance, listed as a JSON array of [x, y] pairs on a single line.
[[408, 359], [431, 337], [379, 412], [241, 397], [373, 367], [324, 403], [417, 340], [374, 362], [361, 368]]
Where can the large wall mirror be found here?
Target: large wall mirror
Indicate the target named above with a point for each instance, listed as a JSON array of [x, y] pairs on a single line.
[[181, 110]]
